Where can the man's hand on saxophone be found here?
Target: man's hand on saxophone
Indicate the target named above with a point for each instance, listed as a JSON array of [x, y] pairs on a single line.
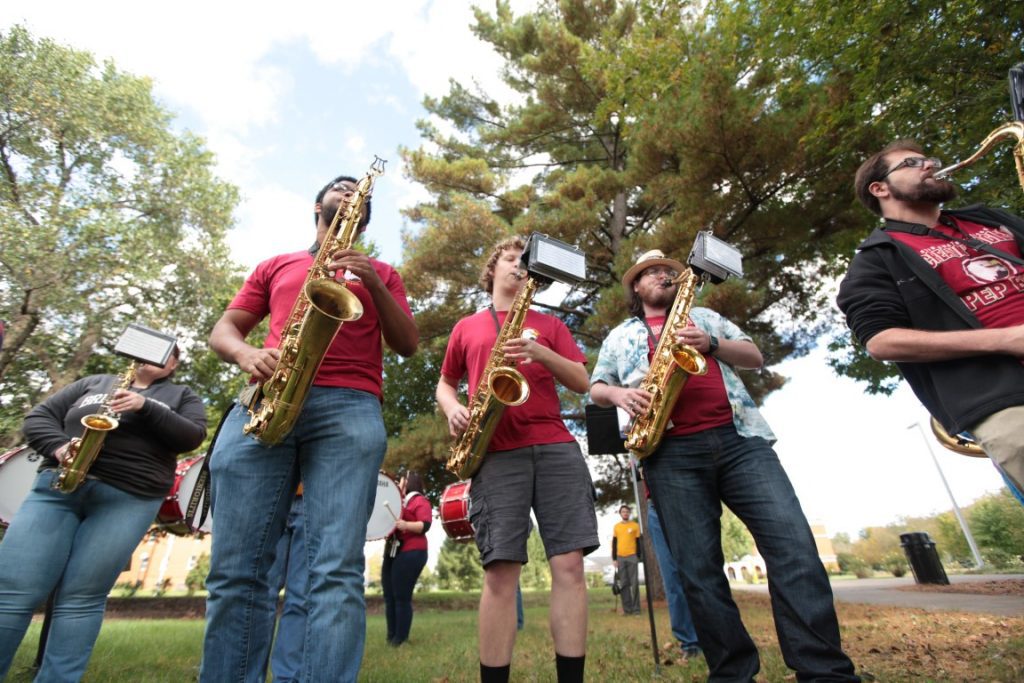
[[634, 400], [260, 363], [448, 400]]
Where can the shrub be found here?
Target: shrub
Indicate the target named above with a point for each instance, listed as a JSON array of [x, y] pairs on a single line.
[[895, 563]]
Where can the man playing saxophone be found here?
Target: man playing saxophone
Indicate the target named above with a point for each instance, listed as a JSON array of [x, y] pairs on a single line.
[[941, 293], [717, 449], [532, 458], [335, 448]]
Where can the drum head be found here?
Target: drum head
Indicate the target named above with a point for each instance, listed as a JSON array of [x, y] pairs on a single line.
[[17, 475], [387, 508]]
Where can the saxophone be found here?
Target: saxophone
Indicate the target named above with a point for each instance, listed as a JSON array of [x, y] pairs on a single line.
[[84, 450], [322, 306], [958, 443], [499, 386], [1011, 129], [663, 381]]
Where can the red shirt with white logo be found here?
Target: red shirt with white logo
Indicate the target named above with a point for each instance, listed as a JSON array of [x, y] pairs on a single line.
[[353, 359], [990, 286], [539, 419]]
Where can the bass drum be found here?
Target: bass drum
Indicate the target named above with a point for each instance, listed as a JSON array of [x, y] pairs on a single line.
[[17, 475], [174, 510], [387, 508], [455, 512]]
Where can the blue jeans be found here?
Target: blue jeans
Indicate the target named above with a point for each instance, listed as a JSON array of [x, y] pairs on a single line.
[[690, 477], [678, 610], [290, 572], [336, 448], [77, 543], [520, 616], [398, 579]]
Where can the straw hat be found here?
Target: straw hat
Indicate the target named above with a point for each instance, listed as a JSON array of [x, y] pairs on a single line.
[[654, 257]]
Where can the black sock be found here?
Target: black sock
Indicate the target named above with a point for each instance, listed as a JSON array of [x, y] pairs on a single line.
[[570, 669], [494, 674]]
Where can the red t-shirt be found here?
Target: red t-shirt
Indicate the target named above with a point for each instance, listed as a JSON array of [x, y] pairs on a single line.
[[988, 285], [703, 403], [354, 358], [417, 509], [539, 420]]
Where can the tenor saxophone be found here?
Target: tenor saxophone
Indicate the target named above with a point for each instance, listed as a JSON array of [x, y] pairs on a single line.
[[84, 450], [322, 306], [500, 385], [671, 365], [1012, 130]]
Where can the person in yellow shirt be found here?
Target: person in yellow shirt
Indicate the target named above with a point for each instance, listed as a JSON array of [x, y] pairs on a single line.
[[625, 537]]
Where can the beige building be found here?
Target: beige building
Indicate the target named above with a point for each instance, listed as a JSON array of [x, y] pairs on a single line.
[[163, 559]]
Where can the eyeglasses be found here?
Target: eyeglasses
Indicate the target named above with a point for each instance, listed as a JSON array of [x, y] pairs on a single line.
[[659, 271], [914, 162], [344, 186]]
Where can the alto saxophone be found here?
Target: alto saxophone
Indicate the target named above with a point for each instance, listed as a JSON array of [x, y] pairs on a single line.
[[322, 306], [83, 451], [500, 385], [664, 380]]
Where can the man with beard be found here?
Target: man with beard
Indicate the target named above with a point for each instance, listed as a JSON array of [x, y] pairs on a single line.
[[335, 449], [910, 297], [717, 449]]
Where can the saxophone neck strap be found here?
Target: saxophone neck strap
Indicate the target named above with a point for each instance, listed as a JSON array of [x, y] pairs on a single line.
[[966, 239], [494, 317], [652, 339]]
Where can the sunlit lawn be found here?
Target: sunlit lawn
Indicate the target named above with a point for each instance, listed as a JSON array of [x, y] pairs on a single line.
[[889, 644]]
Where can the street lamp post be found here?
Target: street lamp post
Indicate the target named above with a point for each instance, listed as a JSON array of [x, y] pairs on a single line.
[[956, 508]]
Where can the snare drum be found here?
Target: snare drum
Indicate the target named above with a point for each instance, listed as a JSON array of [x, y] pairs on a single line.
[[387, 508], [17, 475], [455, 512], [174, 509]]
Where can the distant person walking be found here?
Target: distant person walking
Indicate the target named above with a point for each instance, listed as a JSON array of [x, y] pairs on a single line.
[[624, 556]]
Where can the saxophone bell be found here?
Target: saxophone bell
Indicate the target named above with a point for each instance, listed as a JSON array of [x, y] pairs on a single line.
[[84, 450], [958, 443], [689, 360]]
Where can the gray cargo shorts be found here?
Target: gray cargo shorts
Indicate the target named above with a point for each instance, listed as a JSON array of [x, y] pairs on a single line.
[[553, 480]]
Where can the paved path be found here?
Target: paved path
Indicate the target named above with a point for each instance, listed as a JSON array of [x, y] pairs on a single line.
[[886, 592]]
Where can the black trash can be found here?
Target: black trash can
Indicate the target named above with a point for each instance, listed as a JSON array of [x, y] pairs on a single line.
[[923, 558]]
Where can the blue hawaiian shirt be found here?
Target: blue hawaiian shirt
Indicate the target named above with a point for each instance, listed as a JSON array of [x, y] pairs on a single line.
[[623, 362]]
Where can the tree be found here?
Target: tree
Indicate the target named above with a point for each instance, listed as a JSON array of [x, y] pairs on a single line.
[[736, 539], [458, 567], [107, 216], [950, 540], [637, 124], [997, 522], [877, 542], [196, 578]]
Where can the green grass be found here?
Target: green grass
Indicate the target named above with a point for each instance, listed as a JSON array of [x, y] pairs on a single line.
[[891, 644]]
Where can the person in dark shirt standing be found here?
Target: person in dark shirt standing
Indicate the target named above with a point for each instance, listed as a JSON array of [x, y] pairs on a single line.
[[79, 542]]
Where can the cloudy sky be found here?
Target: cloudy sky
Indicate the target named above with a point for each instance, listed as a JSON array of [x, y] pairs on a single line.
[[288, 95]]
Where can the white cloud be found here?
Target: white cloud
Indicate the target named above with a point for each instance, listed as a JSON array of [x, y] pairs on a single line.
[[268, 224]]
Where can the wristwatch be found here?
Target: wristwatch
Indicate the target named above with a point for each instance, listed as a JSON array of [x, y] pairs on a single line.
[[712, 344]]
